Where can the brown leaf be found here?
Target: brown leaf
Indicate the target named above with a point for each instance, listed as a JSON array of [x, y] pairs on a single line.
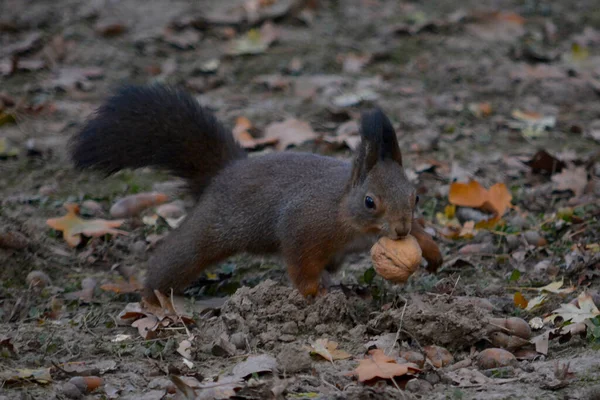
[[571, 178], [242, 135], [146, 326], [132, 286], [328, 350], [72, 226], [497, 199], [377, 365], [110, 28], [291, 132], [254, 41], [520, 301]]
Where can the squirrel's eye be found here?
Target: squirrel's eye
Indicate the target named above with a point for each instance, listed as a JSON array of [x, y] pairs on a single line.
[[417, 200], [369, 202]]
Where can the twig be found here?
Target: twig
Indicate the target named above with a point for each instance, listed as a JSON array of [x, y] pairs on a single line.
[[399, 329]]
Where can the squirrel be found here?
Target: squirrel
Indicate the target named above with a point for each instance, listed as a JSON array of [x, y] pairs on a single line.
[[311, 209]]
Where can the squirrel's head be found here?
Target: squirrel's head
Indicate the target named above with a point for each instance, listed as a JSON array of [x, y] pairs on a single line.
[[380, 197]]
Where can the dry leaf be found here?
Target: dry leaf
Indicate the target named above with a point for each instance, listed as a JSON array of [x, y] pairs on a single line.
[[571, 312], [254, 41], [291, 132], [146, 326], [497, 199], [184, 349], [571, 178], [254, 364], [532, 124], [72, 226], [520, 300], [132, 286], [242, 135], [377, 365], [328, 350], [555, 287], [535, 302], [25, 375]]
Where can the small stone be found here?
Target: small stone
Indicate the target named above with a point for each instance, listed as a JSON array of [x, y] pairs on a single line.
[[419, 386], [71, 391], [47, 190], [293, 358], [239, 340], [534, 238], [160, 383], [322, 328], [223, 347], [92, 206], [138, 247], [287, 338], [291, 328], [513, 242], [312, 319]]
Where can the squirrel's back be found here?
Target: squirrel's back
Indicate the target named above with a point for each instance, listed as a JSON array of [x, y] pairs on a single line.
[[157, 126]]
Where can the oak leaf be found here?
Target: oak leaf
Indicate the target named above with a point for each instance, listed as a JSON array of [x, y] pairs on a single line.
[[497, 199], [377, 365], [72, 226]]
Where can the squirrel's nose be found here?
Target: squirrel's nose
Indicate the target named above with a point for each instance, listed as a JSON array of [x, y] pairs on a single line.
[[402, 229]]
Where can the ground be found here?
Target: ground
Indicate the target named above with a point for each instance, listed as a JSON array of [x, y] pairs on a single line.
[[450, 75]]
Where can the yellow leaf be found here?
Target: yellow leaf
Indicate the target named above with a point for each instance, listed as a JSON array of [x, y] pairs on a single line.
[[535, 302], [72, 226], [555, 287], [328, 350], [520, 301]]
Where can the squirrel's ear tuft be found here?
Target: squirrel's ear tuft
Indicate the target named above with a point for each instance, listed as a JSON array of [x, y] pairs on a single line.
[[375, 125], [378, 142]]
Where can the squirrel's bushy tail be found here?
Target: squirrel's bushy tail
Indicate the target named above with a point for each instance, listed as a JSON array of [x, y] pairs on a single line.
[[156, 126]]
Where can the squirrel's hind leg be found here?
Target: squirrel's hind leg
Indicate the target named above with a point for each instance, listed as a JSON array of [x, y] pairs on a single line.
[[180, 258]]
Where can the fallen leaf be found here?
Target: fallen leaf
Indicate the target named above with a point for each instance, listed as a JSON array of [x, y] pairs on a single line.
[[354, 98], [72, 226], [353, 63], [26, 375], [110, 28], [184, 349], [146, 326], [291, 132], [497, 26], [481, 110], [571, 178], [183, 40], [586, 309], [328, 350], [254, 364], [131, 286], [377, 365], [531, 124], [542, 161], [520, 301], [242, 135], [497, 199], [555, 287], [536, 302], [254, 41]]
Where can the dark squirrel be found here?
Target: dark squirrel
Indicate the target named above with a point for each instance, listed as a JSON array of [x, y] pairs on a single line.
[[311, 209]]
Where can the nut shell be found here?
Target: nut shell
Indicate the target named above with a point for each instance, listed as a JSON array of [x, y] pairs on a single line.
[[396, 260]]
